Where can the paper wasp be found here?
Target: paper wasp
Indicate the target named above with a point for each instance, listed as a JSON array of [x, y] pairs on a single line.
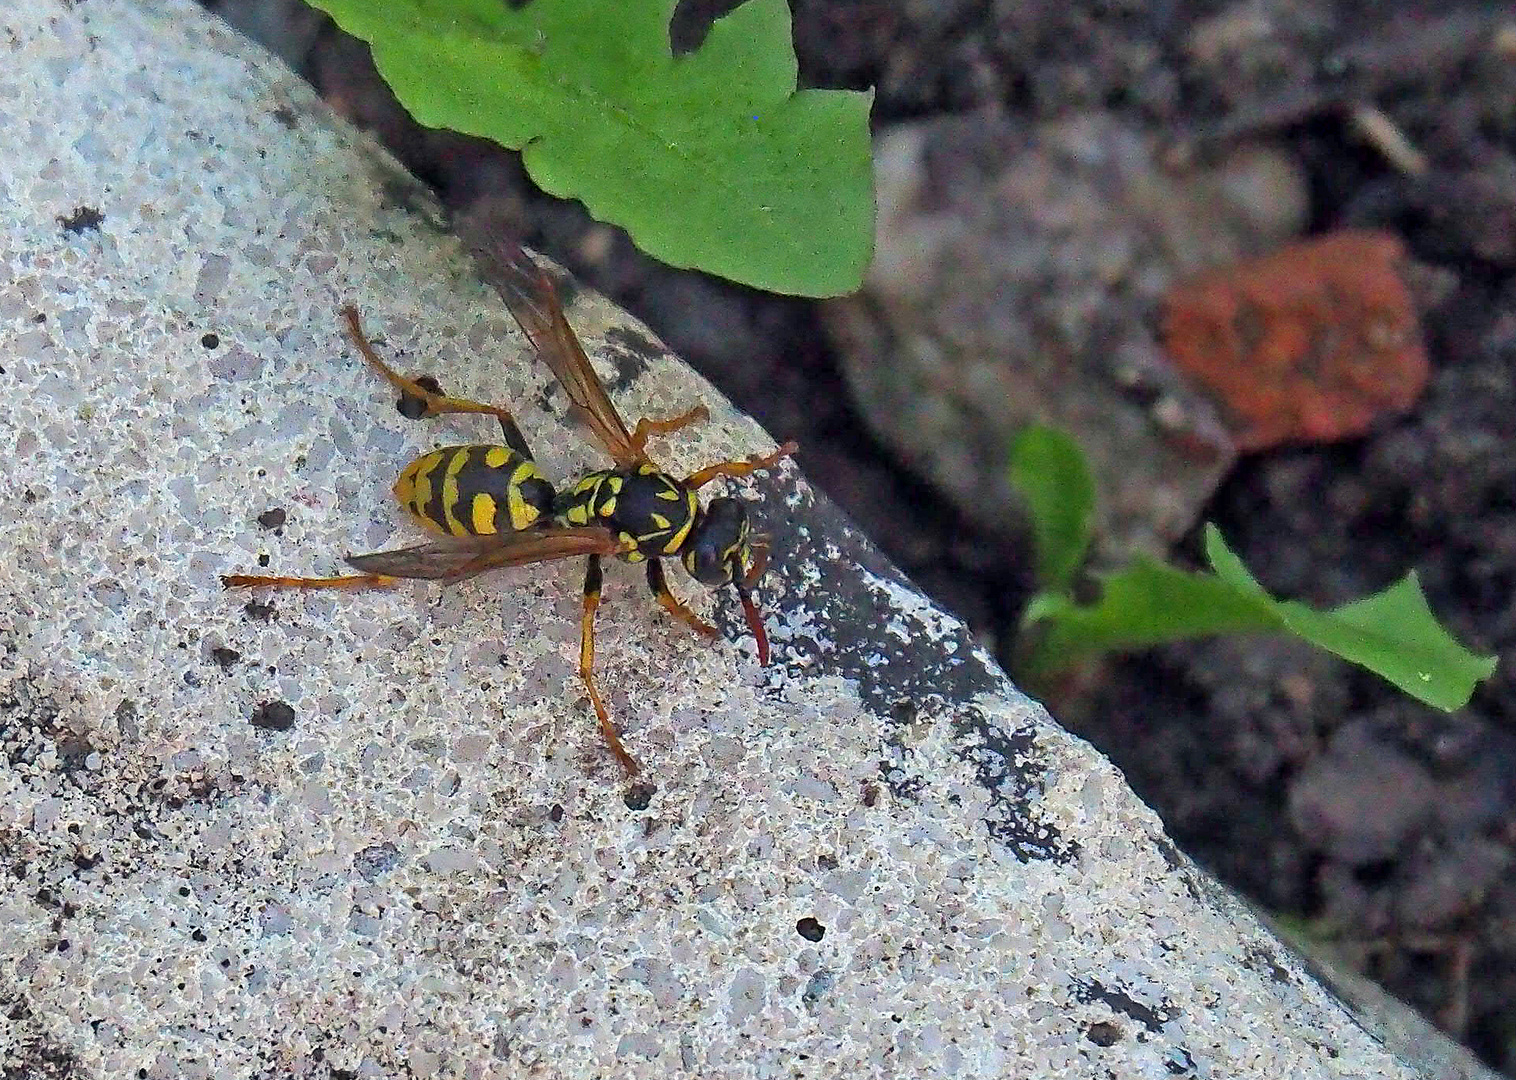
[[492, 508]]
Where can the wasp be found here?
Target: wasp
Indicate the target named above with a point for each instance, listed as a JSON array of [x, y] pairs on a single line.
[[490, 507]]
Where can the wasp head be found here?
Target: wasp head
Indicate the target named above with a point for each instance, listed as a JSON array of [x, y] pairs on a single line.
[[721, 551]]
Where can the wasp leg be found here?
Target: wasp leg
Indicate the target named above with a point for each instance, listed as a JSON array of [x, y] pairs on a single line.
[[647, 428], [592, 582], [346, 581], [660, 586], [739, 468], [432, 402]]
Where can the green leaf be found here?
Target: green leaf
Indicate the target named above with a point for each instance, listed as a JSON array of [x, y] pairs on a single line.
[[1148, 603], [712, 160], [1392, 633], [1050, 471]]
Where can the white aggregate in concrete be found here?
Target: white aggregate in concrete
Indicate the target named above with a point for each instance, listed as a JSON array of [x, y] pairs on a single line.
[[433, 873]]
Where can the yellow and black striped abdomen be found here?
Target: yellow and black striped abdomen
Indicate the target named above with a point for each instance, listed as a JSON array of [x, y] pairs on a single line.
[[474, 491]]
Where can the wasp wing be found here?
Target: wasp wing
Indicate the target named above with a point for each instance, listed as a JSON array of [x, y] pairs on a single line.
[[460, 558], [533, 301]]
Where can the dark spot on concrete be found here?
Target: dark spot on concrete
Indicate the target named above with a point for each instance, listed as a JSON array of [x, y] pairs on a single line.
[[225, 657], [284, 116], [929, 674], [272, 519], [376, 859], [273, 716], [629, 368], [257, 609], [82, 219], [555, 815], [1120, 1001], [639, 343], [211, 341], [72, 750], [810, 929], [1180, 1063], [1103, 1033], [817, 987], [631, 352], [639, 795], [126, 718]]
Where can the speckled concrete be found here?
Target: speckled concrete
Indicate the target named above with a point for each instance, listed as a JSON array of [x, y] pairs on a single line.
[[377, 835]]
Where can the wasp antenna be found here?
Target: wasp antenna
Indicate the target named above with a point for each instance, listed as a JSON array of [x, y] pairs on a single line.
[[754, 619]]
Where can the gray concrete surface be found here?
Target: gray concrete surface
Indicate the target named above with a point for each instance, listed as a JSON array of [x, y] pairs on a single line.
[[377, 834]]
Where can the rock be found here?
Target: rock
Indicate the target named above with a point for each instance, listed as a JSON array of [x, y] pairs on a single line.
[[873, 856], [1315, 342], [1016, 276], [1363, 798]]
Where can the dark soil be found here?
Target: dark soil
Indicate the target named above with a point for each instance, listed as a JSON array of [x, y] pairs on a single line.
[[1304, 782]]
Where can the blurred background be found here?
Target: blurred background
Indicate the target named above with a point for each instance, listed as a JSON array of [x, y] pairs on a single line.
[[1069, 193]]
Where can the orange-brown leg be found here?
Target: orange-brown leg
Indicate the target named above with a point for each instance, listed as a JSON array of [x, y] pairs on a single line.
[[739, 468], [647, 428], [433, 403], [592, 583], [660, 586], [346, 581]]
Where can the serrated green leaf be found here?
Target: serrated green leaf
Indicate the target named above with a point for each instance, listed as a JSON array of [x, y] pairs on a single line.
[[1049, 469], [1392, 633], [712, 160]]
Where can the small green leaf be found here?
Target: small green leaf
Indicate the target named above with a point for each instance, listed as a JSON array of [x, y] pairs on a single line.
[[1392, 633], [1050, 471], [1148, 603], [712, 160]]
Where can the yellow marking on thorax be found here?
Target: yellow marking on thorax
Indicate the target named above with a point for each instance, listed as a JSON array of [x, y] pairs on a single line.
[[450, 492], [496, 456], [676, 541]]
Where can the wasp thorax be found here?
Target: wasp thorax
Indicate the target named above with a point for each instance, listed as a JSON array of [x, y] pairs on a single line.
[[717, 551]]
